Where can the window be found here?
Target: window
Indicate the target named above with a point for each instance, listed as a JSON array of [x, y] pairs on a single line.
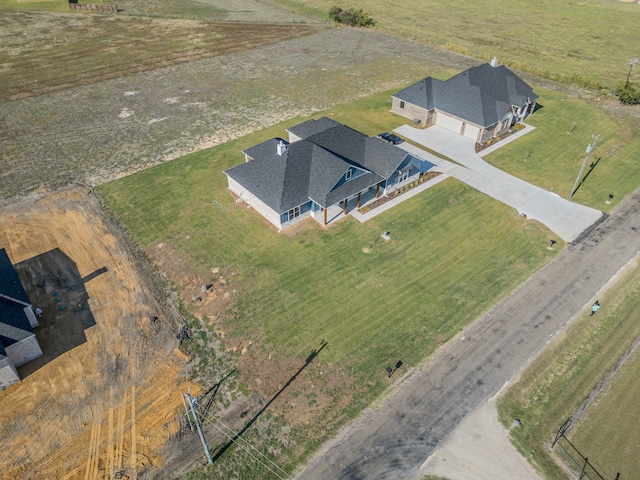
[[403, 176], [348, 175], [401, 104], [294, 213]]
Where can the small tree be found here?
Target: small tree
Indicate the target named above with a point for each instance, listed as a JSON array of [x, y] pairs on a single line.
[[628, 94], [351, 17]]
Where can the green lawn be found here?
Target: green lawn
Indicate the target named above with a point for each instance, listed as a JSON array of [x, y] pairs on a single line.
[[585, 41], [454, 253], [551, 156], [557, 382], [447, 262]]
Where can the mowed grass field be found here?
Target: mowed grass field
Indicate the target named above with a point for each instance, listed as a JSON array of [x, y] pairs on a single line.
[[555, 385], [590, 41], [454, 252], [551, 156]]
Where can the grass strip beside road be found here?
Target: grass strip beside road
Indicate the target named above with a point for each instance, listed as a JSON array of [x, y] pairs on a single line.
[[557, 382]]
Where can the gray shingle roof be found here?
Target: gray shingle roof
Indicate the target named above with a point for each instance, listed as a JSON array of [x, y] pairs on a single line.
[[313, 126], [280, 181], [14, 324], [312, 167], [265, 149], [482, 95]]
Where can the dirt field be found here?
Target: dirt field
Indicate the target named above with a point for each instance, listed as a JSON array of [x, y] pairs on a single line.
[[103, 397]]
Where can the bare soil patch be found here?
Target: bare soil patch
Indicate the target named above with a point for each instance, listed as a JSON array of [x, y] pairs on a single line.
[[479, 449], [103, 397], [85, 49]]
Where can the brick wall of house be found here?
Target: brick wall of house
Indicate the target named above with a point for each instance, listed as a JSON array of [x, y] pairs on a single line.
[[409, 111], [257, 204]]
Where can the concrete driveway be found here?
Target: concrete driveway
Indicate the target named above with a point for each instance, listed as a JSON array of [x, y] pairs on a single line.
[[565, 218]]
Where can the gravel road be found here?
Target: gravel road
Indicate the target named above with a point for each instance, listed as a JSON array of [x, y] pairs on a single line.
[[393, 441]]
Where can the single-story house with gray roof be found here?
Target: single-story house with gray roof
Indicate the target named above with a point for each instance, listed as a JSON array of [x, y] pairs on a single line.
[[479, 103], [324, 165], [18, 343]]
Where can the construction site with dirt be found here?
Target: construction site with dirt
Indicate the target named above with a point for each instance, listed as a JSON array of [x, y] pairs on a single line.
[[103, 396]]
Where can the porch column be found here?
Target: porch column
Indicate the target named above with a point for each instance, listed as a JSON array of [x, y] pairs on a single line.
[[325, 216], [358, 205], [346, 205], [377, 190]]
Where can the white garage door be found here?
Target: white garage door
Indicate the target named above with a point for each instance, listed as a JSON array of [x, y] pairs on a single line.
[[471, 131], [450, 123]]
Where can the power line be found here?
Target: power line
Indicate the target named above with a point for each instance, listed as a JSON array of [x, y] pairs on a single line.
[[235, 441], [192, 403], [590, 149], [247, 443]]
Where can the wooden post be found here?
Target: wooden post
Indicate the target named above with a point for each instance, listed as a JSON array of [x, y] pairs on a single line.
[[346, 205], [325, 216], [359, 194], [377, 190]]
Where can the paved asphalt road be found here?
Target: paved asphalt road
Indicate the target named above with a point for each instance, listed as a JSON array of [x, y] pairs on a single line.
[[394, 440]]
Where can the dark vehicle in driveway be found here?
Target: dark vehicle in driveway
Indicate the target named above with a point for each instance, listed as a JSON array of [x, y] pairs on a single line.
[[386, 136], [391, 138], [396, 140]]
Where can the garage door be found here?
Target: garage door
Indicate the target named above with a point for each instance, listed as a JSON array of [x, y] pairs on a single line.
[[471, 131], [450, 123]]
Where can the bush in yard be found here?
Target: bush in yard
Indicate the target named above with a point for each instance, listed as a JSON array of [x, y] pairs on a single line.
[[351, 17], [628, 94]]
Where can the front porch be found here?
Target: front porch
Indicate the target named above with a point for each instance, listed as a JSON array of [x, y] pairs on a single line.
[[344, 208]]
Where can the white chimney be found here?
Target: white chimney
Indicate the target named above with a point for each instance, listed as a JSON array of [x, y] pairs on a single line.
[[494, 62], [281, 147]]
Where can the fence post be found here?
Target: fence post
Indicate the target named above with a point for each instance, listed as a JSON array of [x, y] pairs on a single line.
[[565, 426], [582, 474]]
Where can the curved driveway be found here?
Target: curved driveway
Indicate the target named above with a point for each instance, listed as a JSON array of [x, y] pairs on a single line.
[[393, 441], [565, 218]]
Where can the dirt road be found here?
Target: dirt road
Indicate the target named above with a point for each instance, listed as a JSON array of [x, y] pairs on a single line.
[[394, 440]]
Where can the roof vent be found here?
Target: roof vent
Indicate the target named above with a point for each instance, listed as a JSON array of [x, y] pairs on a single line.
[[494, 62], [281, 147]]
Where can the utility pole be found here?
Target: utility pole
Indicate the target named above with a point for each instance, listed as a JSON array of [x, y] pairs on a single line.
[[590, 148], [631, 64], [192, 403], [186, 412]]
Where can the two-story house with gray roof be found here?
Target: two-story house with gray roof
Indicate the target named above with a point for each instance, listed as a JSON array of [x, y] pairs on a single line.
[[324, 165], [18, 343], [479, 103]]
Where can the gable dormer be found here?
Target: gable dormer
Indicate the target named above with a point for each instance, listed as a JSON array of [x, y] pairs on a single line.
[[350, 173]]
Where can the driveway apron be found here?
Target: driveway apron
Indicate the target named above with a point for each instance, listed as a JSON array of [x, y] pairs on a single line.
[[565, 218]]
